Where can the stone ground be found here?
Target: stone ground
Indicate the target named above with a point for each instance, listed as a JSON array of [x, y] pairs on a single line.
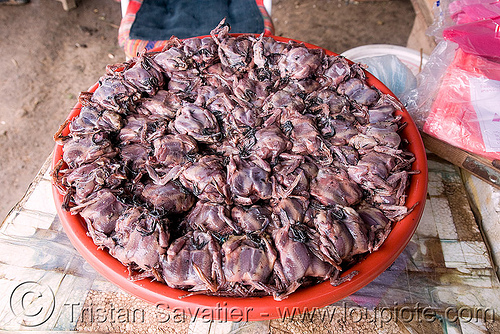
[[48, 56]]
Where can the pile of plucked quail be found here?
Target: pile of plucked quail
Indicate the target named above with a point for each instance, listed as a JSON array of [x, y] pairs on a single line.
[[236, 165]]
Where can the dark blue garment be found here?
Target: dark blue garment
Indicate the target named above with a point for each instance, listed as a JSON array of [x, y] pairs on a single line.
[[160, 19]]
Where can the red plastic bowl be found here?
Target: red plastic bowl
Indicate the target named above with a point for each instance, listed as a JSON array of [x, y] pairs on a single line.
[[259, 308]]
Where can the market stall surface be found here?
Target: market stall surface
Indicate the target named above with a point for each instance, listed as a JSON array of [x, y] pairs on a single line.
[[443, 282], [48, 56]]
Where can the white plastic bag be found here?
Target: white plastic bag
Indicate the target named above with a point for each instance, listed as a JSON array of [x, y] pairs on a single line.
[[393, 73]]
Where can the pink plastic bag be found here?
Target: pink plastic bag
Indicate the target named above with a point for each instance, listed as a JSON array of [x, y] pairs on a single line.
[[455, 7], [465, 12], [466, 110], [480, 38]]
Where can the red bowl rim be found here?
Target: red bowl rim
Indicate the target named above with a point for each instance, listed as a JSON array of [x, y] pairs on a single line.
[[258, 308]]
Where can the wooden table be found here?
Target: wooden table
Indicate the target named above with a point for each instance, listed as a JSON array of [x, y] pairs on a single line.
[[444, 281]]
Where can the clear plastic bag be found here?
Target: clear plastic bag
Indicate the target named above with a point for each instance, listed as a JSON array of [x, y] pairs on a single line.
[[465, 112], [419, 100], [458, 91], [448, 13], [457, 100]]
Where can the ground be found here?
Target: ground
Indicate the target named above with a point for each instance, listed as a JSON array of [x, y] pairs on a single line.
[[48, 56]]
